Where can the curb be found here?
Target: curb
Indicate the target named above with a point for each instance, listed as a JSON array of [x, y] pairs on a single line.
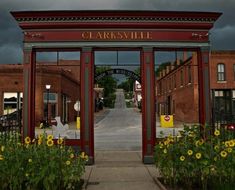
[[159, 184]]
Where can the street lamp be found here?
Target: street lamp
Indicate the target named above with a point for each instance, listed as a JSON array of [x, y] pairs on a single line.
[[48, 86]]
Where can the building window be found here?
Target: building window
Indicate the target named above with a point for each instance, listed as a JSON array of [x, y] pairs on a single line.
[[181, 78], [189, 75], [221, 72], [12, 102], [219, 93]]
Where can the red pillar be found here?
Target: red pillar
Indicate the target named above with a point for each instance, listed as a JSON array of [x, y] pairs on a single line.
[[29, 93], [204, 87], [87, 110], [148, 105]]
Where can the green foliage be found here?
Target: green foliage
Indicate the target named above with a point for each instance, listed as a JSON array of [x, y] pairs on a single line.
[[39, 164], [109, 101], [108, 83], [128, 84], [190, 160]]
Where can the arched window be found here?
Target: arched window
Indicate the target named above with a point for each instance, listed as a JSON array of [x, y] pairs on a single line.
[[221, 72]]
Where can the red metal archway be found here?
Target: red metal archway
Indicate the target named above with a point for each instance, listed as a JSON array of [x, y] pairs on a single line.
[[86, 30]]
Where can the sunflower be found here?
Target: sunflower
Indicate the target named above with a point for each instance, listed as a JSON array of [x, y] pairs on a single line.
[[165, 151], [190, 152], [39, 141], [60, 140], [27, 140], [217, 133], [231, 143], [49, 137], [198, 155], [86, 158], [2, 148], [1, 157], [216, 147], [223, 154], [201, 141], [227, 143], [50, 142], [182, 158], [229, 150], [67, 162], [71, 155]]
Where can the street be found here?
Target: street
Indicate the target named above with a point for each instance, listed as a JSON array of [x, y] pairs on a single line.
[[120, 129]]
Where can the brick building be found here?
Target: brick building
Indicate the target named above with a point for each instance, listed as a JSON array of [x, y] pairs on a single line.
[[177, 87], [222, 72], [177, 90], [62, 96]]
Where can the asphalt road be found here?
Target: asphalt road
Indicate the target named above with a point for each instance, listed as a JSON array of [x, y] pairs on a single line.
[[120, 129]]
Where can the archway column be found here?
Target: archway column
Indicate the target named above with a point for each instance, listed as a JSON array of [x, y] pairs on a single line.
[[29, 76], [148, 105], [86, 110], [205, 116]]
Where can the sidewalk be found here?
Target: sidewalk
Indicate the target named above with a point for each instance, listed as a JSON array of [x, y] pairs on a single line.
[[120, 170]]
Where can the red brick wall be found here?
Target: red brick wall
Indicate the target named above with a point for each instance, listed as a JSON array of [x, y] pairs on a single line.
[[227, 58], [185, 96]]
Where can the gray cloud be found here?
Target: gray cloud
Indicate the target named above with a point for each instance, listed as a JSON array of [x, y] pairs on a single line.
[[222, 36]]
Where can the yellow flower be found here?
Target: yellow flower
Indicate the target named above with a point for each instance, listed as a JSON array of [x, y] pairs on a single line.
[[229, 150], [198, 155], [191, 134], [50, 142], [67, 162], [161, 146], [82, 155], [86, 158], [216, 147], [30, 160], [49, 137], [71, 155], [26, 175], [60, 141], [39, 141], [197, 143], [231, 143], [165, 151], [227, 143], [41, 136], [1, 157], [182, 158], [27, 140], [166, 142], [217, 133], [223, 154], [190, 152], [2, 148], [201, 141], [33, 140]]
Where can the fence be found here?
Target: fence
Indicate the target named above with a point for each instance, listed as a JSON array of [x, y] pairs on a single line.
[[10, 125]]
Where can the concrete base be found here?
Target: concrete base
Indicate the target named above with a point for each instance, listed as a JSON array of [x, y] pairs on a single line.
[[148, 160], [90, 161]]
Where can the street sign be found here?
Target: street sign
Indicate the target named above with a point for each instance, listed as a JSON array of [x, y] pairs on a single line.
[[166, 121]]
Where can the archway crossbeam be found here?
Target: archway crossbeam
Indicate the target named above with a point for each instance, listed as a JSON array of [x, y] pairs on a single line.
[[126, 72]]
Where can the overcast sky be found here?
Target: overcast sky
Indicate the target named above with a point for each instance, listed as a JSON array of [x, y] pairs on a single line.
[[222, 36]]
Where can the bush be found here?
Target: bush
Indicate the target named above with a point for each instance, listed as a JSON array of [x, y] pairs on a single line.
[[190, 160], [41, 163]]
